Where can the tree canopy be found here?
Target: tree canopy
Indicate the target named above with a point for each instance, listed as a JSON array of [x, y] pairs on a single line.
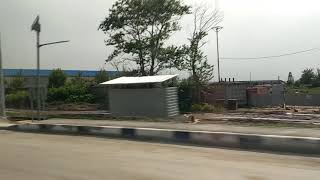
[[57, 78], [138, 30], [204, 20], [307, 76]]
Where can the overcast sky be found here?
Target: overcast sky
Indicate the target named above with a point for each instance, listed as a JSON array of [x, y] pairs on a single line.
[[251, 28]]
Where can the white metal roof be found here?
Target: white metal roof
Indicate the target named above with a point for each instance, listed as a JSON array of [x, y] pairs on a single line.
[[139, 80]]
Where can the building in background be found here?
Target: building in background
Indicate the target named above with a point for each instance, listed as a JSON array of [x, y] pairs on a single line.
[[266, 95], [237, 90], [30, 75]]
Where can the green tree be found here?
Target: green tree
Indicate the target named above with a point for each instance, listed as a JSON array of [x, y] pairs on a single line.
[[101, 76], [17, 83], [140, 28], [317, 78], [57, 78], [307, 76], [204, 20]]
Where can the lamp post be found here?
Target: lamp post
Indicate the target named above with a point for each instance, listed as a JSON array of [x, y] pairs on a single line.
[[217, 29], [37, 27], [2, 88]]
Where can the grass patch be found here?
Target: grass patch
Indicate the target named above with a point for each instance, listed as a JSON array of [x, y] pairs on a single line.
[[206, 108], [315, 90]]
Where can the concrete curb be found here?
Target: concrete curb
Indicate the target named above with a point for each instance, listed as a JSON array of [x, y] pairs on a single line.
[[289, 144]]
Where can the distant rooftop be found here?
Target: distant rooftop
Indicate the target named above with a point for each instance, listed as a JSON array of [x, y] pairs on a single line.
[[47, 72], [139, 80]]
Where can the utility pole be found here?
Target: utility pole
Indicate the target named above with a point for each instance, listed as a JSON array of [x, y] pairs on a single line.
[[38, 74], [217, 29], [37, 27], [2, 88]]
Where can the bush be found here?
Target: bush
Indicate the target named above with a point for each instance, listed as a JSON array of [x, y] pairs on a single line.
[[80, 98], [57, 94], [19, 99], [206, 108], [101, 76], [76, 91], [196, 107]]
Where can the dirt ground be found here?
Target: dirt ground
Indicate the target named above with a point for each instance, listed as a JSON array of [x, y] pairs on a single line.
[[276, 116]]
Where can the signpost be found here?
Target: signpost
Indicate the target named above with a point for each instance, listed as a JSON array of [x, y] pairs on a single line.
[[36, 26]]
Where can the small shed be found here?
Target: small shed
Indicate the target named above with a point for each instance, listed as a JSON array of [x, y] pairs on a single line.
[[149, 96]]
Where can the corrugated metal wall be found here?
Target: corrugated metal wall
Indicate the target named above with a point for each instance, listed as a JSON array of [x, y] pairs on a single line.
[[303, 99], [227, 91], [151, 102], [172, 101], [274, 97]]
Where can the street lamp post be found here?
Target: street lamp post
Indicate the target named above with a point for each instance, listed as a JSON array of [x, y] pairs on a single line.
[[2, 88], [37, 27], [217, 29]]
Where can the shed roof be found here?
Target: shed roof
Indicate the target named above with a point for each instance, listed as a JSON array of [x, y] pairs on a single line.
[[139, 80]]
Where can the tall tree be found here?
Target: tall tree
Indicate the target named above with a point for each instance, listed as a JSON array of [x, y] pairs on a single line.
[[317, 78], [307, 76], [57, 78], [139, 30], [196, 62], [204, 19]]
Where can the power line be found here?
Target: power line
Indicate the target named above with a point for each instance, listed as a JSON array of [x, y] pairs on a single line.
[[269, 57]]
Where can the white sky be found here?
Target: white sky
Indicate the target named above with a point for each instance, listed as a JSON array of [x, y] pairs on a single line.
[[251, 28]]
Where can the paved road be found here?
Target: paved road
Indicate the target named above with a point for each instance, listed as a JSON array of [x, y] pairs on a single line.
[[52, 157]]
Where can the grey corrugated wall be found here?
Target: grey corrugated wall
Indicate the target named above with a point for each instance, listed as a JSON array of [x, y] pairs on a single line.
[[275, 98], [172, 101], [153, 102], [303, 99]]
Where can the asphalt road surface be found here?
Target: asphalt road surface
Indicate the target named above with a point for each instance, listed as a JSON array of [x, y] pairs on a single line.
[[29, 156]]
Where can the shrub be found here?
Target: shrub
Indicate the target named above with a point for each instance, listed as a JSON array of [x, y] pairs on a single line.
[[76, 91], [57, 94], [19, 99], [196, 107], [101, 76], [206, 108], [80, 98]]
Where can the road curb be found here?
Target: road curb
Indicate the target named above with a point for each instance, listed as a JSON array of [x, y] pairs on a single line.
[[288, 144]]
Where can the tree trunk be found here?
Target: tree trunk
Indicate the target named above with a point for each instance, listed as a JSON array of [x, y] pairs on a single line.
[[141, 64]]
